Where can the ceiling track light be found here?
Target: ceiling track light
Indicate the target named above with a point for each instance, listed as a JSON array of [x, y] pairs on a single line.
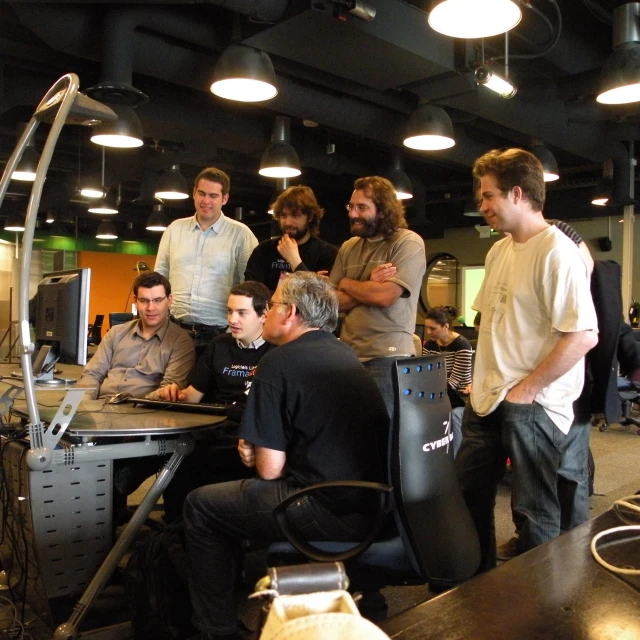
[[244, 74], [107, 231], [620, 76], [172, 185], [429, 129], [474, 18], [124, 133], [547, 160], [280, 159], [399, 179], [157, 219], [488, 78]]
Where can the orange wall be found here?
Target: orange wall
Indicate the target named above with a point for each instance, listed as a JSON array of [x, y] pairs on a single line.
[[112, 275]]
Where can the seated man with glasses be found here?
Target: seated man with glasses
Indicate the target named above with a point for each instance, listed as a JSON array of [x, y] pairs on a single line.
[[140, 356]]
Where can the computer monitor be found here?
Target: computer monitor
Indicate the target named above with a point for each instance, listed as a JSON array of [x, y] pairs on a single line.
[[62, 318]]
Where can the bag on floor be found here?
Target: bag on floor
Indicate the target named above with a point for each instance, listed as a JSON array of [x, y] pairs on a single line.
[[156, 586]]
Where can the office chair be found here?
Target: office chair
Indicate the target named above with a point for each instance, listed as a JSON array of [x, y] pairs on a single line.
[[94, 336], [434, 539], [119, 317], [629, 395]]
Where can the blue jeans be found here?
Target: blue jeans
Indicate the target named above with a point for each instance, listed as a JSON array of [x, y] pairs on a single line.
[[217, 517], [526, 434]]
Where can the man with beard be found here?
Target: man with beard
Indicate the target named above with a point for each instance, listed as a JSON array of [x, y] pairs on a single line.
[[378, 273], [299, 248]]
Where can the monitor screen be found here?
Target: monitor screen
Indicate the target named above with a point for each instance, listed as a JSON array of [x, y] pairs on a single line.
[[62, 314]]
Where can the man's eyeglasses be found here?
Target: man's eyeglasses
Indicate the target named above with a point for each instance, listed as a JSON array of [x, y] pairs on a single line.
[[146, 301], [360, 208], [273, 302]]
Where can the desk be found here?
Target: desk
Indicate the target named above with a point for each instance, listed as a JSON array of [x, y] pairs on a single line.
[[65, 521], [554, 591]]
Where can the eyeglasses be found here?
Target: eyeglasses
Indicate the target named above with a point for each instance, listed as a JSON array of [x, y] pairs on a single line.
[[273, 302], [361, 208], [146, 301]]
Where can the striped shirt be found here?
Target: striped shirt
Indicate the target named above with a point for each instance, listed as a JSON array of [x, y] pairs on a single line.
[[203, 266], [458, 356]]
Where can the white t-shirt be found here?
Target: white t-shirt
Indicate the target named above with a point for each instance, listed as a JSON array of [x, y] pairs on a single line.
[[531, 294]]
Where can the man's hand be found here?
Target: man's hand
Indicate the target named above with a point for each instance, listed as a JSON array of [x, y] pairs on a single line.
[[519, 395], [170, 393], [288, 249], [383, 272], [247, 453]]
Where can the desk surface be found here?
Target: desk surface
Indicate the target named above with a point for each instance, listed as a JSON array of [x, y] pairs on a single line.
[[98, 418], [554, 591]]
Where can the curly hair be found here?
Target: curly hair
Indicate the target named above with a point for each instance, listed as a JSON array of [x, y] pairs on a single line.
[[214, 175], [514, 168], [300, 198], [390, 210]]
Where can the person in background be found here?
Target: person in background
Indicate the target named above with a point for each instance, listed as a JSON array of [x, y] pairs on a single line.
[[223, 373], [299, 248], [313, 415], [378, 274], [458, 358], [149, 352], [204, 256], [538, 322]]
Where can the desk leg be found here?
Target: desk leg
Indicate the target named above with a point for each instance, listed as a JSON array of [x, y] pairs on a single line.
[[69, 630]]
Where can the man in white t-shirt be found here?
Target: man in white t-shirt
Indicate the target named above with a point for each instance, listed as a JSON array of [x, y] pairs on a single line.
[[538, 322]]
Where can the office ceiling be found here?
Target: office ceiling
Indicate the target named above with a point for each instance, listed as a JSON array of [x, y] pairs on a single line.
[[358, 81]]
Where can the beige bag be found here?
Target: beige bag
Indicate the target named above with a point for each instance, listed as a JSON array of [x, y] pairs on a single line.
[[324, 615]]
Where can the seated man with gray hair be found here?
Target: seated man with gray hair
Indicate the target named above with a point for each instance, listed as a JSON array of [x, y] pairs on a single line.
[[313, 414]]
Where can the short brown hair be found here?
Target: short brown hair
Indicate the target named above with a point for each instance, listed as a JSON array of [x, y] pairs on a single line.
[[256, 291], [150, 280], [214, 175], [300, 198], [390, 209], [514, 168]]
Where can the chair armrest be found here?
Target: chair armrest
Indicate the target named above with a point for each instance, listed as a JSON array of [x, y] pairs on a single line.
[[385, 504]]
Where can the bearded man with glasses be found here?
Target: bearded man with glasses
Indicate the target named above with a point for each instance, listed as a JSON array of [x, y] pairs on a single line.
[[378, 274]]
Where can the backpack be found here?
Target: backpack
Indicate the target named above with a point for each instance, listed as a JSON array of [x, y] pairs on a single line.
[[156, 586]]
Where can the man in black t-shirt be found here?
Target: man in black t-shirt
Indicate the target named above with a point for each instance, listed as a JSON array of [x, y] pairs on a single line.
[[223, 373], [313, 415], [299, 249]]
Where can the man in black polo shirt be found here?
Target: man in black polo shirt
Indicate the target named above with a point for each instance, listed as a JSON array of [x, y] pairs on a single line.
[[313, 414], [299, 248], [223, 373]]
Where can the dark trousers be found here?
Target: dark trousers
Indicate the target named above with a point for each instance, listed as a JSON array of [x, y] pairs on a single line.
[[217, 517]]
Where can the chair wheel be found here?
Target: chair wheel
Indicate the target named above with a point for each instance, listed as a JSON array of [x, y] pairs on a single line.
[[604, 426]]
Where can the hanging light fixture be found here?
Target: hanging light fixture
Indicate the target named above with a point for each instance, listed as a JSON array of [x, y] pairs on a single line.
[[14, 222], [471, 209], [172, 185], [124, 133], [147, 189], [282, 184], [399, 179], [107, 230], [603, 191], [490, 79], [157, 220], [50, 216], [280, 159], [108, 204], [429, 129], [26, 169], [474, 18], [548, 161], [244, 74], [620, 76]]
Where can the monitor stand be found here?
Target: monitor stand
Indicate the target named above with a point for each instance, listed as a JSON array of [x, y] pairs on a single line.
[[44, 366]]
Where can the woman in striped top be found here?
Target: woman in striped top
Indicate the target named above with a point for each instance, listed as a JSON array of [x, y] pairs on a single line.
[[456, 348]]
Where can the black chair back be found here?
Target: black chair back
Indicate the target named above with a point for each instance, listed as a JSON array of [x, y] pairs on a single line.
[[431, 515], [119, 318], [95, 330]]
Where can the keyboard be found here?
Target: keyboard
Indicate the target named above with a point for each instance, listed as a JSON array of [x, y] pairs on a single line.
[[214, 408]]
